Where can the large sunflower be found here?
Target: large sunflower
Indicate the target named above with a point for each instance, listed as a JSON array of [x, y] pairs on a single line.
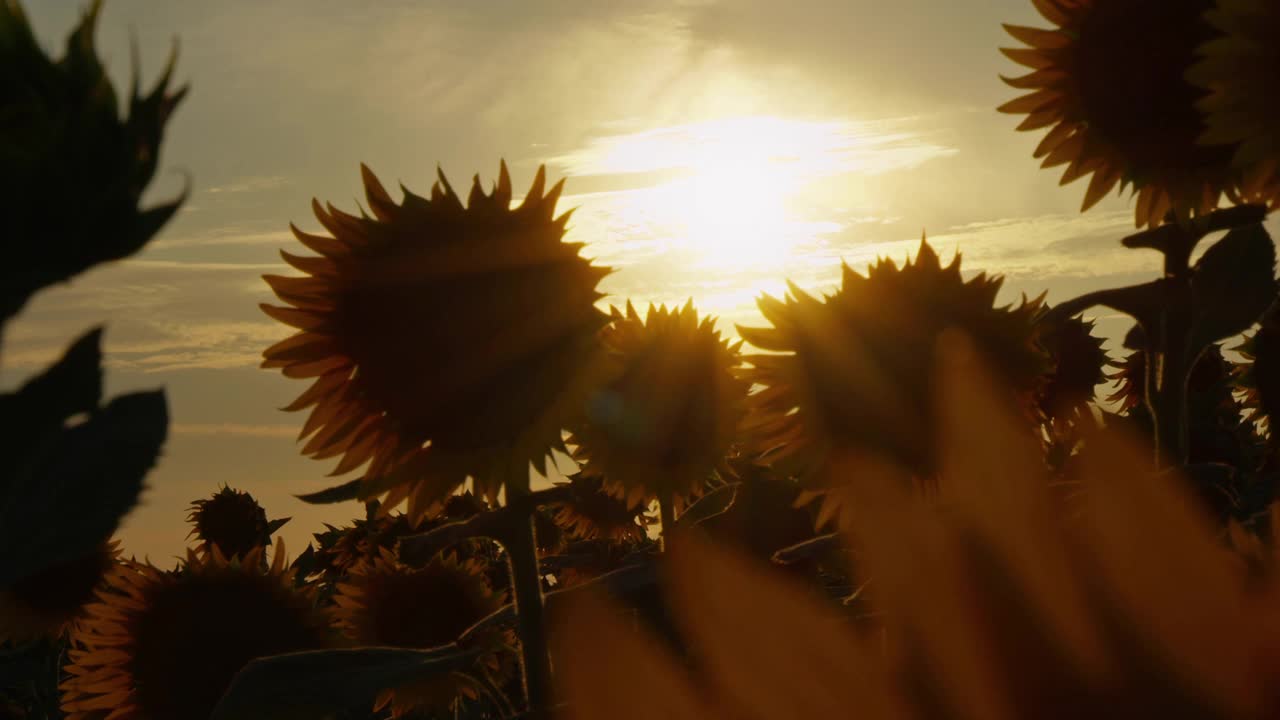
[[50, 601], [162, 645], [1239, 68], [445, 340], [385, 603], [661, 429], [1109, 84], [230, 519], [851, 373], [591, 513]]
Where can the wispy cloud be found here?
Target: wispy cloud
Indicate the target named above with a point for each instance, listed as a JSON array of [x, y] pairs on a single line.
[[234, 429], [251, 184]]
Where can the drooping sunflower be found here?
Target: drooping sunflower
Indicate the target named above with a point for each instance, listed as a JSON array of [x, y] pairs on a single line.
[[49, 602], [159, 645], [444, 340], [592, 513], [385, 603], [232, 520], [1239, 67], [850, 374], [1079, 366], [668, 422], [1108, 81]]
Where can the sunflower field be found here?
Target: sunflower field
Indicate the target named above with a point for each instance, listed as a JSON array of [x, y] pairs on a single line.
[[898, 500]]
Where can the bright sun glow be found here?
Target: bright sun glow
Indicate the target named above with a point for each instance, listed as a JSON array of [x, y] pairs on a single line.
[[732, 204]]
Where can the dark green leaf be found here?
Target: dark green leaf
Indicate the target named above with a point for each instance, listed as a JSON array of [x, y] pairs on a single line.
[[710, 505], [276, 524], [1233, 284], [72, 499], [308, 685]]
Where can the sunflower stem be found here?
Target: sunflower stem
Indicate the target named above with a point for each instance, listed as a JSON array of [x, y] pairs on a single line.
[[526, 581], [667, 511]]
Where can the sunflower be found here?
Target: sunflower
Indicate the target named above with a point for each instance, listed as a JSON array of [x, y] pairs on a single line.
[[591, 513], [49, 602], [338, 550], [1238, 68], [444, 340], [850, 374], [991, 609], [230, 519], [1216, 430], [1259, 376], [160, 645], [1079, 366], [385, 603], [661, 429], [1109, 83]]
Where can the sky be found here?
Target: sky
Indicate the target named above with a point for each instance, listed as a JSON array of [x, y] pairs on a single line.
[[714, 149]]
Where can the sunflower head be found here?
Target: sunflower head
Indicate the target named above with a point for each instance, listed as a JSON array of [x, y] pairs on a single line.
[[385, 603], [338, 550], [669, 420], [49, 602], [592, 513], [1109, 82], [1238, 68], [1259, 375], [167, 644], [232, 520], [1079, 366], [851, 374], [443, 340]]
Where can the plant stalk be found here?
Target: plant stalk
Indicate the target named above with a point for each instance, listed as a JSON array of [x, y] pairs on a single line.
[[526, 582], [667, 511]]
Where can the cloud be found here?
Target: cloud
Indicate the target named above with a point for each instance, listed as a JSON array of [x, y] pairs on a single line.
[[234, 429], [251, 184]]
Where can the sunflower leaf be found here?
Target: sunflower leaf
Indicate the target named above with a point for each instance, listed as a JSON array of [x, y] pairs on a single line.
[[1233, 284], [72, 497], [307, 685], [349, 490], [709, 505]]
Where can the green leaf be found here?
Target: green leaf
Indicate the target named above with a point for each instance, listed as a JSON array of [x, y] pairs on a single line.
[[349, 490], [276, 524], [1233, 284], [308, 685]]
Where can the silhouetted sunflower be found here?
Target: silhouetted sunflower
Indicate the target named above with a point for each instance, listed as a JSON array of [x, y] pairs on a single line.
[[445, 341], [162, 645], [1132, 609], [231, 519], [852, 373], [667, 423], [592, 513], [340, 549], [47, 603], [1109, 84], [1079, 366], [1259, 376], [386, 603], [1239, 68]]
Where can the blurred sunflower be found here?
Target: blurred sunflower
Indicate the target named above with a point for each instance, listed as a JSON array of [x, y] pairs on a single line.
[[591, 513], [763, 517], [1079, 366], [851, 373], [49, 602], [1109, 83], [445, 340], [661, 429], [1133, 608], [1238, 67], [385, 603], [232, 520], [1258, 377], [161, 645]]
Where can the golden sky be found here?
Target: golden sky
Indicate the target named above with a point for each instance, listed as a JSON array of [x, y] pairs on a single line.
[[714, 148]]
